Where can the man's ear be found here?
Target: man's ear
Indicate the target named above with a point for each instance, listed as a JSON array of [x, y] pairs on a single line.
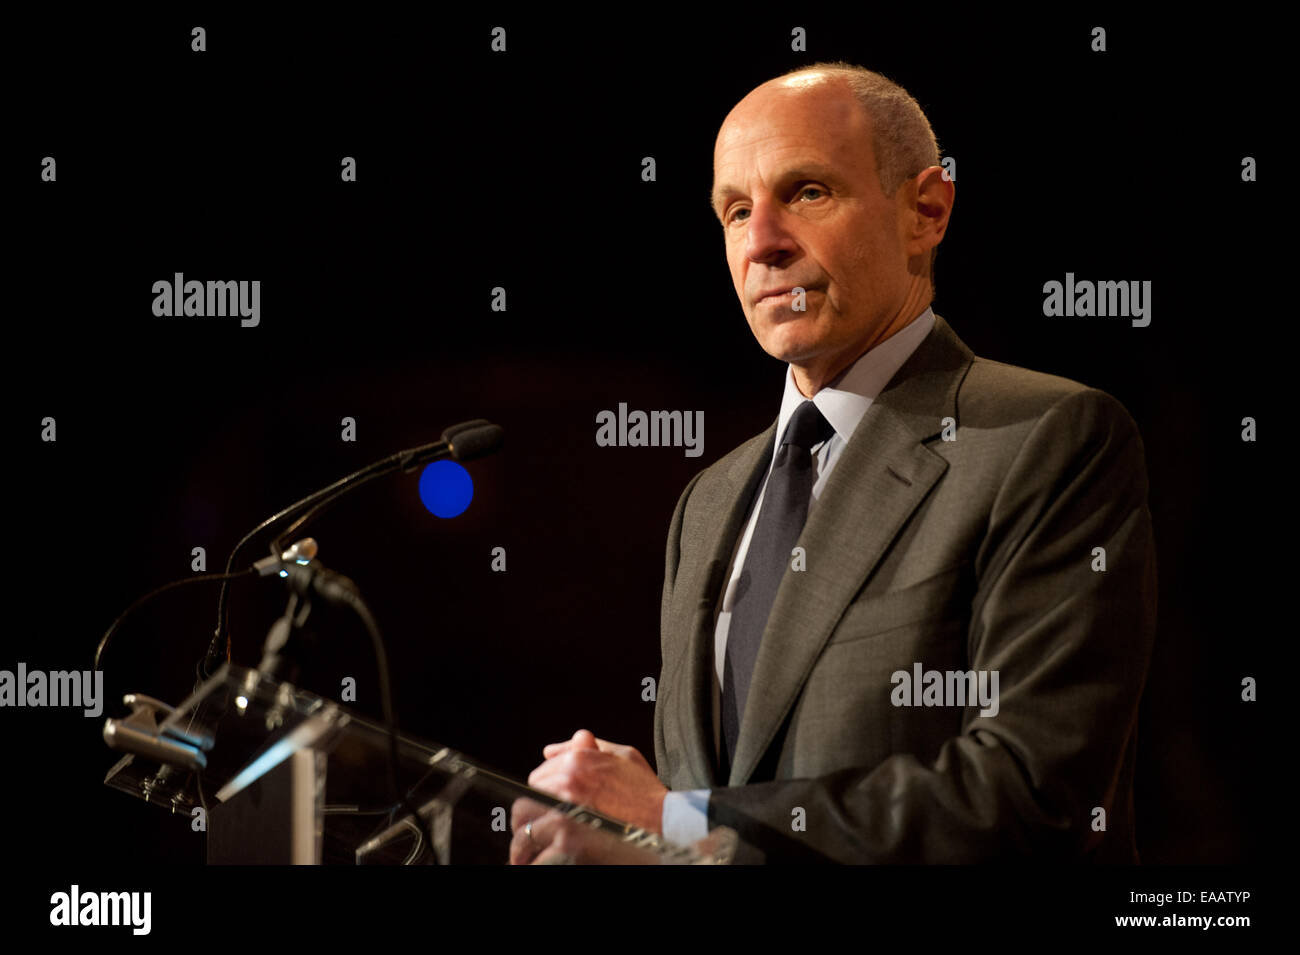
[[929, 200]]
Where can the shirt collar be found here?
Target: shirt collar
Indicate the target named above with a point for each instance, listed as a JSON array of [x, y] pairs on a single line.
[[844, 402]]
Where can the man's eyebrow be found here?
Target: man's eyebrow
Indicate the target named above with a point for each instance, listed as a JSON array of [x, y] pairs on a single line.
[[717, 198], [720, 194]]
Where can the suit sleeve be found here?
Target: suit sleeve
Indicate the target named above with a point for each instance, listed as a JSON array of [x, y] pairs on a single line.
[[671, 558], [1071, 644]]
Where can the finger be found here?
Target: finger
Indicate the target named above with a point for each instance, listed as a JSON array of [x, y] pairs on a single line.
[[617, 749], [523, 849], [582, 739], [550, 779], [523, 810], [557, 776], [553, 856], [546, 830], [528, 840], [621, 750], [520, 852], [555, 788], [554, 749]]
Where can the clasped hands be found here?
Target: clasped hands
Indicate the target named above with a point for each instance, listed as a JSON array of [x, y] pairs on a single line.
[[612, 779]]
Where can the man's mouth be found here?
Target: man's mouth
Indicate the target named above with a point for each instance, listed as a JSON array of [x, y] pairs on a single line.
[[780, 294]]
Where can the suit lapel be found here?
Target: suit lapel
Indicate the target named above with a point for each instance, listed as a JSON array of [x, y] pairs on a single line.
[[730, 499], [883, 474]]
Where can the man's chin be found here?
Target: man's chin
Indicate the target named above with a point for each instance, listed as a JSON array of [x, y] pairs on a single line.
[[791, 348]]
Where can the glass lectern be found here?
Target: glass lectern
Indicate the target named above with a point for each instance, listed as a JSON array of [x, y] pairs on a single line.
[[282, 776]]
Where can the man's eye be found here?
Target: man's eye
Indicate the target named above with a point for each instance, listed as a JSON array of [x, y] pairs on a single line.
[[808, 189], [735, 212]]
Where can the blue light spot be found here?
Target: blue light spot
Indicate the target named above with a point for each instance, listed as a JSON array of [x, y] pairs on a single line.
[[446, 488]]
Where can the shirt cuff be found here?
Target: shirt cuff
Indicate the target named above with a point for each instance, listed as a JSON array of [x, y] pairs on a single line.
[[686, 816]]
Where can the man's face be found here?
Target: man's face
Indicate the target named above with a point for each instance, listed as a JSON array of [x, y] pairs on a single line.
[[795, 185]]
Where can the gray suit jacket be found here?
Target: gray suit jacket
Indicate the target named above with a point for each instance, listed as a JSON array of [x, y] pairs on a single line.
[[977, 553]]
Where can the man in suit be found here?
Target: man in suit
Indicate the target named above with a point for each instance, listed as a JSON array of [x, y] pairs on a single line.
[[917, 628]]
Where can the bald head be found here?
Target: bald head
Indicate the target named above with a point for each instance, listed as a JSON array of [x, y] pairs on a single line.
[[826, 259], [803, 106]]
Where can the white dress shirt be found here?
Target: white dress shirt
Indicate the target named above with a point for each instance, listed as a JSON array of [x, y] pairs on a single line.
[[842, 403]]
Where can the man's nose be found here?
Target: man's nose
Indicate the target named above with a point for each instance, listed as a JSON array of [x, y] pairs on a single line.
[[766, 238]]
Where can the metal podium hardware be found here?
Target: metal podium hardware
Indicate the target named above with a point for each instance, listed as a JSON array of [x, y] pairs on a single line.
[[141, 733], [285, 776]]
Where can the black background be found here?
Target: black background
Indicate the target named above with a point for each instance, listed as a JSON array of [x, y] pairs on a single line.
[[522, 170]]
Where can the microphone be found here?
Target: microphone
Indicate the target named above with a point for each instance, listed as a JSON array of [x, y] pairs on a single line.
[[301, 552], [464, 442], [476, 442], [474, 431], [296, 564]]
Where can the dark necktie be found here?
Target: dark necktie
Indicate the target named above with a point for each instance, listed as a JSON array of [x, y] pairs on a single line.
[[781, 520]]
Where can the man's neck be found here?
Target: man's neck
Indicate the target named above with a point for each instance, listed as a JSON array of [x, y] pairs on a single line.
[[813, 377]]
